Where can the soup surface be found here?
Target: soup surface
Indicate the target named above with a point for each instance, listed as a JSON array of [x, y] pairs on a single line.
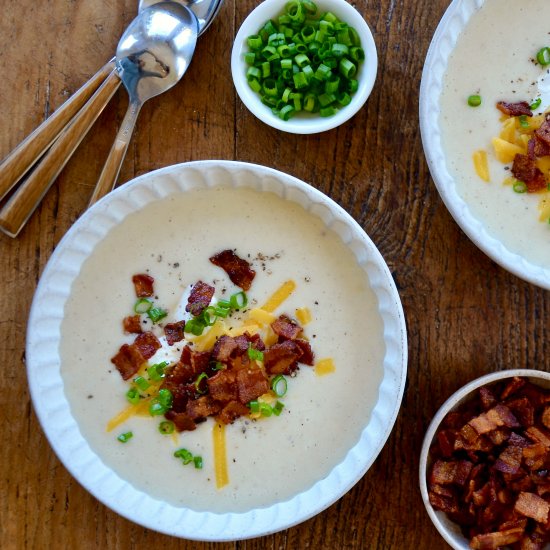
[[494, 58], [270, 459]]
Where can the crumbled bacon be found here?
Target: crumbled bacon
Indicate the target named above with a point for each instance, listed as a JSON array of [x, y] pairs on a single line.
[[222, 386], [237, 269], [537, 148], [490, 468], [182, 421], [521, 108], [286, 328], [128, 360], [525, 169], [147, 343], [282, 358], [143, 285], [199, 298], [132, 324], [202, 407], [174, 332], [543, 132], [251, 383], [232, 411]]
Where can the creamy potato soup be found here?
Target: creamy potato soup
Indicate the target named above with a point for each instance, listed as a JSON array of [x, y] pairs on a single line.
[[494, 57], [270, 459]]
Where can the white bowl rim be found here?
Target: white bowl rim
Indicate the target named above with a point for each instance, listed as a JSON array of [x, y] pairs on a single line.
[[458, 397], [367, 72], [452, 23], [52, 409]]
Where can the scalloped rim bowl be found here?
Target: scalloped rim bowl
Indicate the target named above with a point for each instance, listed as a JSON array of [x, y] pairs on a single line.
[[448, 529], [304, 123], [451, 25], [46, 383]]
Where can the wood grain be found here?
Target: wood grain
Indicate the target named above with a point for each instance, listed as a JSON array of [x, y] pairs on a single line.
[[466, 316]]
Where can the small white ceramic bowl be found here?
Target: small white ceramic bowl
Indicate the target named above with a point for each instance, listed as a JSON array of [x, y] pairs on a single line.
[[449, 530], [304, 123]]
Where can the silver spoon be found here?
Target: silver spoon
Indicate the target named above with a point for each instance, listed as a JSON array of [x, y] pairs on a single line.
[[152, 56]]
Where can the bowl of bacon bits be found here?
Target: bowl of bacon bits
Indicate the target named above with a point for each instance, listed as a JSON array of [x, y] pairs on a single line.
[[304, 67], [485, 463]]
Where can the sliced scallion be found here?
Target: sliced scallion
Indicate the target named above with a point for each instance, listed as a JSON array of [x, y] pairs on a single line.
[[143, 305], [124, 437], [156, 314], [474, 100], [166, 427], [543, 56], [279, 385]]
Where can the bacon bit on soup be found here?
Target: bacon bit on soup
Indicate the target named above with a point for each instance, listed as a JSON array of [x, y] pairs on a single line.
[[128, 360], [237, 269], [174, 332], [515, 109], [199, 298], [143, 284], [490, 470], [132, 324], [525, 169]]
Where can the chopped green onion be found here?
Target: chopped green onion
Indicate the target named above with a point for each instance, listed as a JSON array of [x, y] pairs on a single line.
[[218, 366], [193, 326], [166, 427], [254, 406], [156, 408], [536, 104], [156, 314], [165, 398], [197, 461], [238, 300], [198, 381], [185, 455], [132, 395], [524, 121], [156, 371], [279, 385], [141, 383], [143, 305], [123, 438], [254, 354], [519, 187], [474, 100], [543, 56], [266, 409], [278, 408]]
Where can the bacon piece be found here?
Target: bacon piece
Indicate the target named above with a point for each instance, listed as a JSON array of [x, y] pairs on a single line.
[[532, 506], [523, 411], [543, 132], [537, 148], [512, 387], [199, 298], [500, 415], [132, 324], [524, 169], [538, 436], [232, 411], [143, 285], [174, 332], [493, 541], [443, 503], [182, 421], [282, 358], [487, 398], [223, 348], [545, 417], [237, 269], [251, 383], [202, 407], [128, 360], [454, 472], [147, 343], [515, 109], [307, 357], [509, 460], [222, 387], [286, 328]]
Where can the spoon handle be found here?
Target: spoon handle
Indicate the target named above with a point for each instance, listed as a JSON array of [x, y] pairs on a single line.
[[110, 171], [23, 157], [24, 201]]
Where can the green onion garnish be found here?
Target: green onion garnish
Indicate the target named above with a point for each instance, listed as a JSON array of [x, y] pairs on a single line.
[[143, 305], [197, 460], [185, 455], [238, 300], [266, 409], [278, 408], [156, 314], [156, 408], [543, 56], [474, 100], [141, 383], [524, 121], [193, 326], [279, 385], [536, 104], [519, 187], [254, 406], [132, 395], [123, 438], [156, 371], [166, 427], [165, 398], [198, 381], [254, 354]]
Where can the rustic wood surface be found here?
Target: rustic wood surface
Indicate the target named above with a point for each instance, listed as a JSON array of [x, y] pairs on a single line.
[[466, 316]]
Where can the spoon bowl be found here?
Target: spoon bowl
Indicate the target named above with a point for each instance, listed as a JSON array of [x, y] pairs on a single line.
[[152, 56]]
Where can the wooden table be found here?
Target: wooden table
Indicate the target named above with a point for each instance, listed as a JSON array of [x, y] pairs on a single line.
[[466, 316]]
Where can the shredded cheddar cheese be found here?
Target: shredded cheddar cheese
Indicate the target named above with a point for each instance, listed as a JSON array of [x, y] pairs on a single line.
[[261, 316], [220, 455], [141, 408], [279, 296], [324, 366], [303, 315]]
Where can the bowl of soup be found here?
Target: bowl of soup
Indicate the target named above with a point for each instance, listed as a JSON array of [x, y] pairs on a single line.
[[281, 467], [471, 145]]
